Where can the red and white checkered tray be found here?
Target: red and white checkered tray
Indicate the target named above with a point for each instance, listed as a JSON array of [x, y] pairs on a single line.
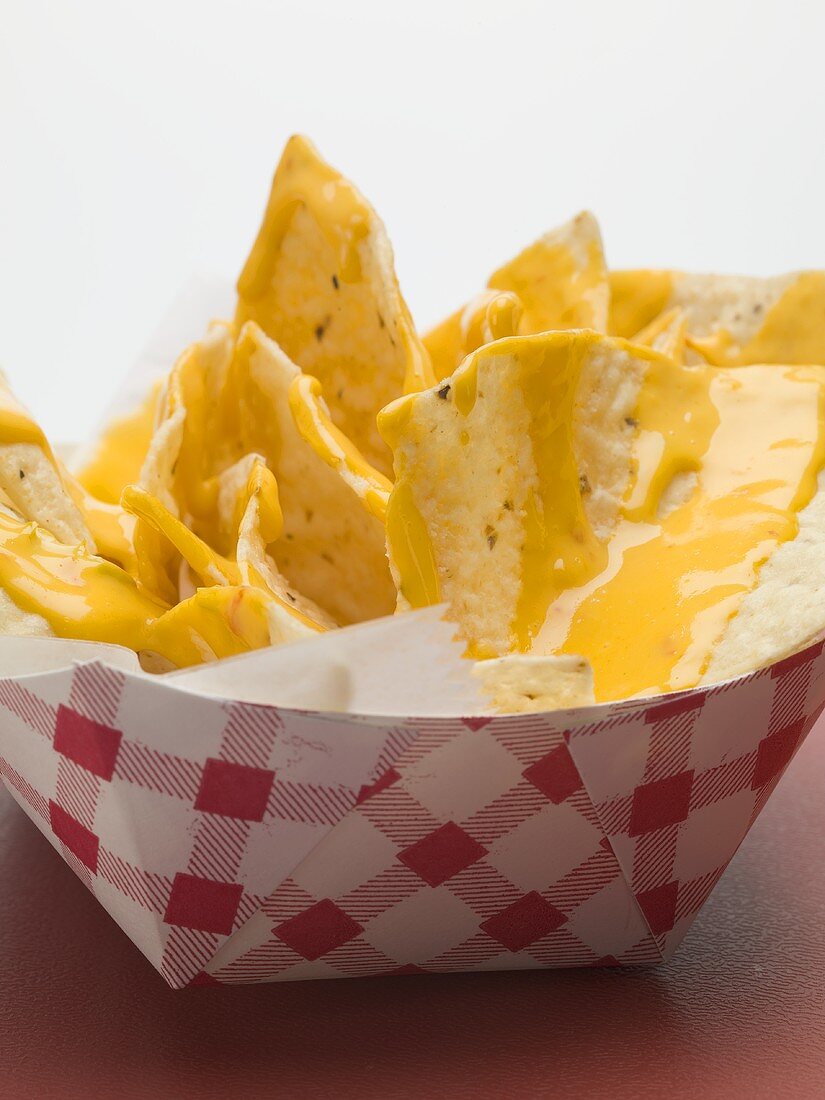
[[236, 842]]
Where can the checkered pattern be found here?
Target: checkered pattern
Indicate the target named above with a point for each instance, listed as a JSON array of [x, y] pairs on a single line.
[[238, 843], [179, 812]]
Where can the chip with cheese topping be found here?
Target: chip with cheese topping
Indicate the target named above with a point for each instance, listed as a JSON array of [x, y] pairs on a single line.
[[229, 398], [558, 282], [320, 281]]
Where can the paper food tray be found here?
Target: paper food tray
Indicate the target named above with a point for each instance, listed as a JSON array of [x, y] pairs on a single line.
[[237, 842]]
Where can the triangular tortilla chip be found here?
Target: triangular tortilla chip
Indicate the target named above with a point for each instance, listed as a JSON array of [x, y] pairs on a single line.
[[559, 282], [31, 476], [509, 478], [320, 281], [229, 398]]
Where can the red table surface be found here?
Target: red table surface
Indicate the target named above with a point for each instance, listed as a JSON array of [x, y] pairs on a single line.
[[738, 1012]]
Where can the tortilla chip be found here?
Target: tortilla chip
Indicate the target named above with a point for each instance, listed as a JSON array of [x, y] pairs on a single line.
[[13, 620], [229, 399], [732, 320], [320, 281], [521, 684], [290, 615], [530, 435], [560, 282], [786, 609], [312, 419], [30, 475]]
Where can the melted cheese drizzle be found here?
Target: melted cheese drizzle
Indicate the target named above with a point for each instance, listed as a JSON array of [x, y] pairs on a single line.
[[83, 596], [758, 449], [313, 421], [636, 299], [489, 316]]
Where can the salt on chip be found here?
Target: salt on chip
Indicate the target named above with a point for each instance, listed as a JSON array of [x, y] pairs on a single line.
[[559, 282], [320, 280], [509, 479]]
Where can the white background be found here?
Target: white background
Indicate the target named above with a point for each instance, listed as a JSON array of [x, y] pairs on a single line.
[[137, 143]]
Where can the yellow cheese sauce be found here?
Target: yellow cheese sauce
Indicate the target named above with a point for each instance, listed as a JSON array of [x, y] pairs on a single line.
[[78, 594], [559, 549], [313, 421], [16, 426], [207, 564], [412, 549], [83, 596], [119, 453], [636, 299], [112, 529], [650, 623], [489, 316]]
